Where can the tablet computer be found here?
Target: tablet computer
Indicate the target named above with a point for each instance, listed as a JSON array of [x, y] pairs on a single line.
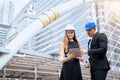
[[75, 50]]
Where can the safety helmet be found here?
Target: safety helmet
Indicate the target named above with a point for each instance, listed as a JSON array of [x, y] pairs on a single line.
[[89, 25], [69, 27]]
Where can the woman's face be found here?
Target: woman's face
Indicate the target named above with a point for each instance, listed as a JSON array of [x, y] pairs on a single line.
[[70, 34]]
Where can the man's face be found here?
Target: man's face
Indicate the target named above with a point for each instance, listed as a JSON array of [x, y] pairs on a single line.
[[91, 32]]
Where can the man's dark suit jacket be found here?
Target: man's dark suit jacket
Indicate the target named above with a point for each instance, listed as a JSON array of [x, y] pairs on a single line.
[[97, 52]]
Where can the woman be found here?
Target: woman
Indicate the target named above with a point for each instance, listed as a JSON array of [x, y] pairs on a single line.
[[71, 69]]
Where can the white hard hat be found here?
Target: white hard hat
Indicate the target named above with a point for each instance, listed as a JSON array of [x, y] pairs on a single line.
[[69, 27]]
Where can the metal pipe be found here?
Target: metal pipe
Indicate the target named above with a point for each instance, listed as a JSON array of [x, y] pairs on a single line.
[[35, 69], [4, 74]]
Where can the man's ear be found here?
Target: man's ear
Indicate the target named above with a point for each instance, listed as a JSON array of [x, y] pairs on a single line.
[[95, 28]]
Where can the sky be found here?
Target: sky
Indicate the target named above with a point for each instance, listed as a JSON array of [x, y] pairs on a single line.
[[18, 5], [1, 1]]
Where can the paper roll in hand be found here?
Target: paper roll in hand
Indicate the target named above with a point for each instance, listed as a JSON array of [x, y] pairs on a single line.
[[75, 51]]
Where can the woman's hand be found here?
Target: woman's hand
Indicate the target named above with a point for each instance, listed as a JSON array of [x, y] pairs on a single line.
[[68, 54], [73, 55]]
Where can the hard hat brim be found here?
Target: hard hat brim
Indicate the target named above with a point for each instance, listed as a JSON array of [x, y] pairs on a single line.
[[90, 27]]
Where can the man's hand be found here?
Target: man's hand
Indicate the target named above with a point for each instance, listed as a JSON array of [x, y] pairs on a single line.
[[86, 63], [84, 51]]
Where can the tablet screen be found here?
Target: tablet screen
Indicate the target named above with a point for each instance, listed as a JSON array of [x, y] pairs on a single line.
[[75, 50]]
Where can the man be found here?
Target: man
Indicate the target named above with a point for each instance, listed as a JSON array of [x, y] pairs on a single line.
[[99, 65]]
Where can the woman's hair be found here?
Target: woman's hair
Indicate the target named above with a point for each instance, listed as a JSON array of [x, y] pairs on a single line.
[[66, 41]]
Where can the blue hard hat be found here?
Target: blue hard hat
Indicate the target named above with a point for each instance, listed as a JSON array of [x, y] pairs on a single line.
[[89, 25]]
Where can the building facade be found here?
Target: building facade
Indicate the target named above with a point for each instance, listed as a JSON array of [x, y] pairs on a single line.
[[48, 39], [6, 12], [3, 34]]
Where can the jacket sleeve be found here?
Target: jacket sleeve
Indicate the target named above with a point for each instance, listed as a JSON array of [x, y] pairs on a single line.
[[102, 43]]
